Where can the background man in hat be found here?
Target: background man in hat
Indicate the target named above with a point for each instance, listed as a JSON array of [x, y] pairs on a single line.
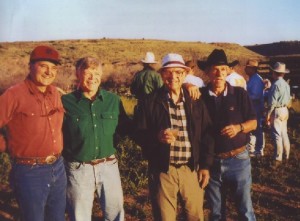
[[174, 132], [255, 89], [147, 80], [234, 78], [33, 113], [93, 116], [233, 117], [191, 78], [278, 114]]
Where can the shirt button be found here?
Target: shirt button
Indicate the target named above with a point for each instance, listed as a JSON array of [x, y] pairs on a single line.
[[95, 125], [32, 114], [49, 118], [96, 147], [54, 141], [94, 115]]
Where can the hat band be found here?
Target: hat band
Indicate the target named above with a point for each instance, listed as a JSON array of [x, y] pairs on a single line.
[[174, 62]]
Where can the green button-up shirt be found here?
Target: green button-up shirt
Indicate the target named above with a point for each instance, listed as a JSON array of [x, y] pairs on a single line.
[[89, 126]]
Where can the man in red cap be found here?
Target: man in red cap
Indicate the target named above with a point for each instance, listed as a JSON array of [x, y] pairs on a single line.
[[33, 113]]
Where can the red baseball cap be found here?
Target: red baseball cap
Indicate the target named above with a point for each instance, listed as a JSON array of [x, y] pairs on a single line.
[[44, 53]]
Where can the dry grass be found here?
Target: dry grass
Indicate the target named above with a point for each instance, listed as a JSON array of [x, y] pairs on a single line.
[[121, 58]]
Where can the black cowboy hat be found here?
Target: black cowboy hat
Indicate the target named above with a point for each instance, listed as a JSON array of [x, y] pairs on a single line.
[[217, 57]]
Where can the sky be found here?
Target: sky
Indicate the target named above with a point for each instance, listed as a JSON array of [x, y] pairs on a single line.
[[245, 22]]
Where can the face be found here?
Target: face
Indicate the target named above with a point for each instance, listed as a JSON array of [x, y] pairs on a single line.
[[90, 79], [43, 73], [173, 77], [217, 75]]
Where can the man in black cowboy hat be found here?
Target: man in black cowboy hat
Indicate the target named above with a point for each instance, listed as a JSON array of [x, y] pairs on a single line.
[[233, 118]]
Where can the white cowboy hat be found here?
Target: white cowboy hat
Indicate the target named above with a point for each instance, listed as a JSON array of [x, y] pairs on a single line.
[[279, 67], [149, 58], [173, 61]]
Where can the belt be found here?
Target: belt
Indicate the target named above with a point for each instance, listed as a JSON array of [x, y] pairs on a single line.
[[38, 160], [231, 153], [281, 106], [178, 165], [102, 160]]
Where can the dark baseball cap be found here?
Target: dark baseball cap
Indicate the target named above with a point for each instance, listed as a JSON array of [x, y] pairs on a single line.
[[45, 53]]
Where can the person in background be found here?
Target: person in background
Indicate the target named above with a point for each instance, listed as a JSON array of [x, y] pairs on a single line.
[[255, 89], [92, 118], [33, 114], [278, 114], [233, 117], [191, 78], [233, 78], [147, 80], [175, 134]]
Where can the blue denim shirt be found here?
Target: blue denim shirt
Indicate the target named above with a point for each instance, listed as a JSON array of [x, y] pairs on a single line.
[[255, 89], [279, 94]]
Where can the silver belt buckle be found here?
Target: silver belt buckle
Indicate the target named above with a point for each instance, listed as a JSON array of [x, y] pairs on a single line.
[[50, 159]]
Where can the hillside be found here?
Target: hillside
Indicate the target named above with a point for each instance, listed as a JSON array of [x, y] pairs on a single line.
[[120, 57], [278, 48]]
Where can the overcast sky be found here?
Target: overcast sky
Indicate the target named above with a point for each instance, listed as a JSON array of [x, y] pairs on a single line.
[[245, 22]]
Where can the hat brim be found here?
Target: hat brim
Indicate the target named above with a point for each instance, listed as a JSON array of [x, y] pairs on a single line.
[[174, 66], [149, 62], [284, 72], [234, 63], [56, 62]]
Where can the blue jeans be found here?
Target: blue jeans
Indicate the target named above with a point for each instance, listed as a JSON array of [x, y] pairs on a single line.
[[233, 174], [40, 191], [257, 138], [279, 134], [84, 180]]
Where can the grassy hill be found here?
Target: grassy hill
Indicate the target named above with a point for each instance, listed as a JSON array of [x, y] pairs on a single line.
[[277, 48], [121, 58]]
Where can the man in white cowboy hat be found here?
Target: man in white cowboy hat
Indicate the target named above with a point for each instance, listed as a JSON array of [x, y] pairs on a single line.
[[174, 132], [278, 114], [147, 80], [255, 89], [233, 117]]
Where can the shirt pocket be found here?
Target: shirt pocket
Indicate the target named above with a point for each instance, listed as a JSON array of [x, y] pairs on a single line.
[[109, 122]]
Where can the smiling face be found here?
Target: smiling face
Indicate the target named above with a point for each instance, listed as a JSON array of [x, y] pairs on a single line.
[[173, 78], [90, 79], [43, 73]]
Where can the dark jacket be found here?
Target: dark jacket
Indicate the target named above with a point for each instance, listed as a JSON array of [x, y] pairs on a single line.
[[235, 108], [153, 116]]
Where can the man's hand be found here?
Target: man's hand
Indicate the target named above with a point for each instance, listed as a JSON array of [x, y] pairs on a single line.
[[193, 90], [203, 178], [167, 136], [268, 120], [231, 130], [2, 143]]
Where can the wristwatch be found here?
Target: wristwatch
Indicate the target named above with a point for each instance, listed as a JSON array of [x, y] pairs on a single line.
[[242, 128]]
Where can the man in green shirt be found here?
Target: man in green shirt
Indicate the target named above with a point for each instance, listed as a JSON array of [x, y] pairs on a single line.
[[147, 80], [92, 117]]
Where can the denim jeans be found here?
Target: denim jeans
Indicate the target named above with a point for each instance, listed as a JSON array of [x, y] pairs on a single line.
[[280, 137], [40, 191], [84, 180], [231, 175], [257, 138]]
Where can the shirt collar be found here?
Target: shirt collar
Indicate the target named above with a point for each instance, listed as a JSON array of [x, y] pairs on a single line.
[[168, 97], [80, 96], [211, 93]]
